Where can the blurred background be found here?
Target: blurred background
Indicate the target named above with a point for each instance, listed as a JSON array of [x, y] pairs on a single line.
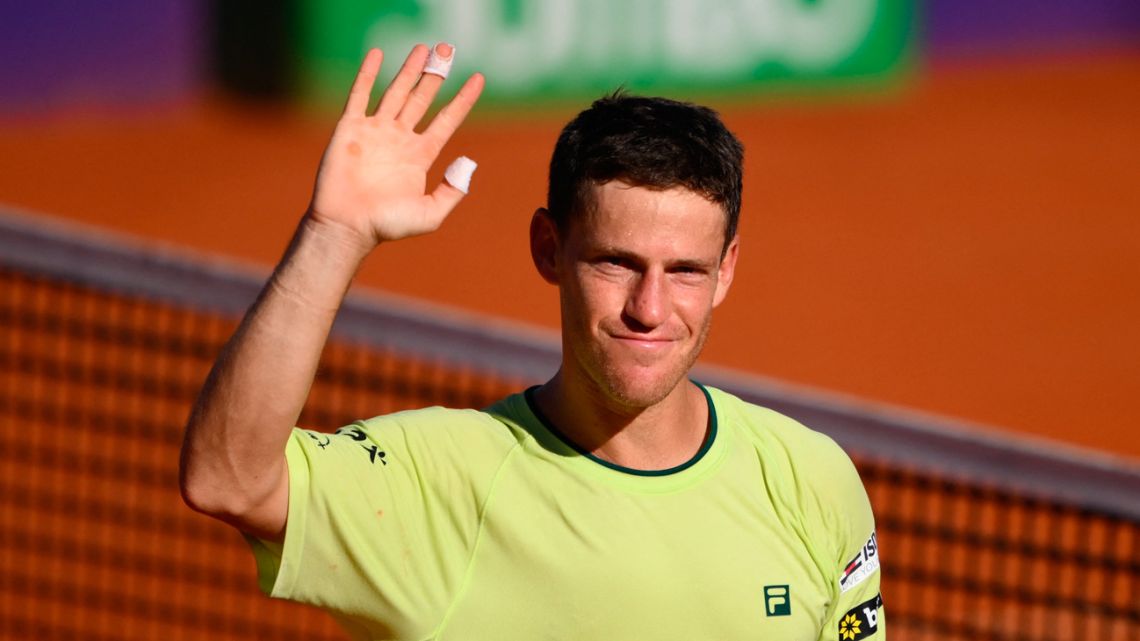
[[941, 213]]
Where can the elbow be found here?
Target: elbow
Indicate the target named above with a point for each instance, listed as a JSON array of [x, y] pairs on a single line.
[[203, 470], [206, 494], [197, 478], [204, 488], [252, 502], [197, 492], [239, 485]]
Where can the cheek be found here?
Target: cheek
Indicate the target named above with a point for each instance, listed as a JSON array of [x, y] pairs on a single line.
[[579, 309], [694, 297], [598, 297]]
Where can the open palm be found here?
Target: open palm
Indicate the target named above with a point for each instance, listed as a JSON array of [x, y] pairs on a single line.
[[373, 177]]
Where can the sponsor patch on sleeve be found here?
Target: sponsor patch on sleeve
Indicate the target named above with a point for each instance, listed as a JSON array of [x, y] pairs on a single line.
[[861, 621], [861, 566]]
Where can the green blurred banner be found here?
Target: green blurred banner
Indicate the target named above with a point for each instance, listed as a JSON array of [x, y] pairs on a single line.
[[544, 50]]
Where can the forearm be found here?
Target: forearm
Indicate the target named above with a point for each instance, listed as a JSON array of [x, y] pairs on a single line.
[[370, 186], [233, 454]]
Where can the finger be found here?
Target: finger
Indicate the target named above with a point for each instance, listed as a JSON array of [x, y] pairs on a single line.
[[397, 93], [444, 198], [453, 113], [438, 64], [458, 173], [361, 91]]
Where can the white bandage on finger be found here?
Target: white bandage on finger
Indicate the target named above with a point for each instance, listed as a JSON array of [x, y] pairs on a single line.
[[458, 173], [439, 65]]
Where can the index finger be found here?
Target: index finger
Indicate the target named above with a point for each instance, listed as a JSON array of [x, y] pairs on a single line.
[[453, 113], [361, 92]]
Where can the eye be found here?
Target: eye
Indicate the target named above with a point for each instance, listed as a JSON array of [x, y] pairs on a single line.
[[689, 269], [613, 262]]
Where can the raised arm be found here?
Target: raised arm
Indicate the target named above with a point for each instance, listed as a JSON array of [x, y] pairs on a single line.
[[371, 188]]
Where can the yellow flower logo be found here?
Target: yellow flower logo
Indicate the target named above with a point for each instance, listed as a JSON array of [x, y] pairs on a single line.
[[849, 627]]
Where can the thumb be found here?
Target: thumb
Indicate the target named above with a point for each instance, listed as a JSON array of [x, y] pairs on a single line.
[[455, 184]]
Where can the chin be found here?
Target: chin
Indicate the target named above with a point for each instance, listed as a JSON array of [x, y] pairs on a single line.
[[637, 387]]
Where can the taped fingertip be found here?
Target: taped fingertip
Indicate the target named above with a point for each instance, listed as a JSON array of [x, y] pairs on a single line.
[[438, 63], [458, 173]]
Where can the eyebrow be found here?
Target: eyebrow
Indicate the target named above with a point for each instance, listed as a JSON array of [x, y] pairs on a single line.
[[636, 258]]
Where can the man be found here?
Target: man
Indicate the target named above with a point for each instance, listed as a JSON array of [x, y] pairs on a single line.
[[619, 500]]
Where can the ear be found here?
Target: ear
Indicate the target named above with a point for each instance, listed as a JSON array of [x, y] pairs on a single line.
[[726, 271], [544, 245]]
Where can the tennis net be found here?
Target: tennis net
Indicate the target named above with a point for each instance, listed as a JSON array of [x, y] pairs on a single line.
[[104, 345]]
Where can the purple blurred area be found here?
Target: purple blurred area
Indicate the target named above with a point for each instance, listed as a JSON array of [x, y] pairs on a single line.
[[56, 54], [955, 29], [126, 53]]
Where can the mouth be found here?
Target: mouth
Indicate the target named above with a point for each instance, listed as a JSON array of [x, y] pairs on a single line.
[[643, 342]]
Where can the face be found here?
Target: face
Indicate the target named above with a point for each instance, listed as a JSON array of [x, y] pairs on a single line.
[[639, 275]]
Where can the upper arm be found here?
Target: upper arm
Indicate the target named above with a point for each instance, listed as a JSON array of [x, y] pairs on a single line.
[[382, 516], [852, 554]]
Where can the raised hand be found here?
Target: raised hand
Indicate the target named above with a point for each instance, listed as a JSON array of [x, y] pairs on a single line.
[[373, 178], [370, 188]]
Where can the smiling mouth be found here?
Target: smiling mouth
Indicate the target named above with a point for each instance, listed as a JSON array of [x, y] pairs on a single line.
[[643, 342]]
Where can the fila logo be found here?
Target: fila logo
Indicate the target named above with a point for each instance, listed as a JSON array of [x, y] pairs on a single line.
[[777, 600], [861, 566]]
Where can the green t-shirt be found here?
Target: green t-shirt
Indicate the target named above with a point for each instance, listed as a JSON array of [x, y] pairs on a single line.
[[464, 524]]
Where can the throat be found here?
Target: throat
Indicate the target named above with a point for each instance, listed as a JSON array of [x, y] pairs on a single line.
[[667, 435]]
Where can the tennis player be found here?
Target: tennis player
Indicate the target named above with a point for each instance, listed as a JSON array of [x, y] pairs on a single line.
[[620, 499]]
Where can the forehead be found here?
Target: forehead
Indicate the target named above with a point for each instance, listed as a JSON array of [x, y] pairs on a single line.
[[631, 216]]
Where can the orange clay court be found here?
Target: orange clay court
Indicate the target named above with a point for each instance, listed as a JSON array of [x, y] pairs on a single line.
[[968, 244]]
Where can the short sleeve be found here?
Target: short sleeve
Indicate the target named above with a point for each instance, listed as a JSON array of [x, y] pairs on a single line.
[[856, 610], [383, 516]]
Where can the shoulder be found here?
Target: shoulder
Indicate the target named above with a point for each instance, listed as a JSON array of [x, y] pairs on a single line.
[[438, 422], [776, 432], [437, 442], [809, 464], [815, 484], [433, 451], [468, 432]]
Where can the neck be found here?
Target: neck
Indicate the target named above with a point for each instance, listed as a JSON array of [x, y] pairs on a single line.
[[660, 436]]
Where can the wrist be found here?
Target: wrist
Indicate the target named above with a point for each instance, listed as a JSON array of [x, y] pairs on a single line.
[[319, 264], [338, 240]]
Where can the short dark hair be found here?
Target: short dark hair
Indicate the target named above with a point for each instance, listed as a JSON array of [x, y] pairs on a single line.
[[648, 142]]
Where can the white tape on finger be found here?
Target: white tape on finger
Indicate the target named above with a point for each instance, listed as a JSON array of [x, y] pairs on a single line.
[[458, 173], [439, 65]]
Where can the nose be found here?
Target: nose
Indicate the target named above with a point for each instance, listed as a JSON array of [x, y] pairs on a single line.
[[648, 302]]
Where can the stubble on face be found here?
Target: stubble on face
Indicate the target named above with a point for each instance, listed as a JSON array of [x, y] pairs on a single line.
[[637, 307], [634, 382]]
